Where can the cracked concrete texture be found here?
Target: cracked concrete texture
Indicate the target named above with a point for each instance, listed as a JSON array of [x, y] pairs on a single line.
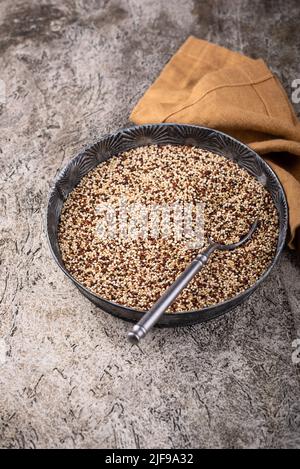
[[68, 378]]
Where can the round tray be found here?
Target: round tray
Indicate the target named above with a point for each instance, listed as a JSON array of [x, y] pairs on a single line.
[[162, 134]]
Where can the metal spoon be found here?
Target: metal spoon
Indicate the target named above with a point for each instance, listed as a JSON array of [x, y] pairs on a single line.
[[151, 317]]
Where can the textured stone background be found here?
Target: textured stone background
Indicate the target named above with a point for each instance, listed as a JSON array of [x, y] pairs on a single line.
[[68, 378]]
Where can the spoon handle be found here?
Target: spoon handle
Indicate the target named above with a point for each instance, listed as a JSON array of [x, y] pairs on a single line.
[[152, 316]]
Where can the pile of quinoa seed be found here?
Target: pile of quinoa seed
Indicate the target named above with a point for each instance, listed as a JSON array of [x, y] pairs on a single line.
[[136, 272]]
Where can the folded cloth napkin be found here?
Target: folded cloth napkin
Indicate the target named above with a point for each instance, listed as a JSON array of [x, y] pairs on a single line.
[[209, 85]]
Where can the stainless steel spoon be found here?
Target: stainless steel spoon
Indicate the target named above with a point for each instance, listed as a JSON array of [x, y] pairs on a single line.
[[151, 317]]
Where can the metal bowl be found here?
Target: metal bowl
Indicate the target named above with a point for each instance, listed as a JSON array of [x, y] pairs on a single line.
[[162, 134]]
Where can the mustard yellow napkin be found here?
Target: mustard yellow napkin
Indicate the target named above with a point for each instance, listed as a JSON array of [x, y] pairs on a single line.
[[209, 85]]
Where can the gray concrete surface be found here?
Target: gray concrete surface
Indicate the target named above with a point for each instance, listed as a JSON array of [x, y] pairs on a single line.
[[73, 70]]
